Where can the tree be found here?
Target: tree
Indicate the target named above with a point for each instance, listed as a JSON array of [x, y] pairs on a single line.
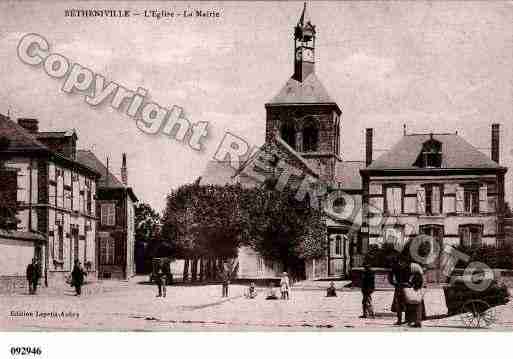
[[203, 224], [281, 228], [147, 222], [207, 224]]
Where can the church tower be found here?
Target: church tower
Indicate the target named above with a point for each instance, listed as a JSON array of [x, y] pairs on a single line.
[[302, 113]]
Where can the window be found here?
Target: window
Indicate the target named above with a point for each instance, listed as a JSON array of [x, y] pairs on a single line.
[[337, 135], [108, 214], [433, 199], [394, 200], [338, 245], [471, 198], [310, 137], [107, 247], [89, 197], [288, 133], [431, 154], [470, 235], [60, 241]]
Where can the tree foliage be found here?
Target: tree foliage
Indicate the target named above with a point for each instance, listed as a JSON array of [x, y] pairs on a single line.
[[208, 220], [147, 222]]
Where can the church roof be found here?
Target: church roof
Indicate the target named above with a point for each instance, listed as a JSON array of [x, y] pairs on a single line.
[[456, 154], [310, 91]]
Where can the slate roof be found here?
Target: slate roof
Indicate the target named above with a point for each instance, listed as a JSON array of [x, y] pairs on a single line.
[[456, 154], [107, 180], [348, 174], [310, 91], [19, 138]]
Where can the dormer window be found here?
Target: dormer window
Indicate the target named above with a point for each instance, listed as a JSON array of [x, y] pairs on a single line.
[[431, 155]]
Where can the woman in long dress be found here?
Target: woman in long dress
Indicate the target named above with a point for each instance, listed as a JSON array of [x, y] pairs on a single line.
[[415, 313], [399, 278]]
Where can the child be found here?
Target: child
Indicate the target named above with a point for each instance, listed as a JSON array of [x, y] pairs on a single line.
[[251, 291], [284, 284], [331, 291], [271, 293], [226, 282]]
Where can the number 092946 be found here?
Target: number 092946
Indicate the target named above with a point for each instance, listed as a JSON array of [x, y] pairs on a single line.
[[26, 351]]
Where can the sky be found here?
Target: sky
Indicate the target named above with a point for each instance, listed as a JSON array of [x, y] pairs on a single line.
[[433, 66]]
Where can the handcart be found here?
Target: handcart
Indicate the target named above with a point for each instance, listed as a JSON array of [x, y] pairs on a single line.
[[475, 308]]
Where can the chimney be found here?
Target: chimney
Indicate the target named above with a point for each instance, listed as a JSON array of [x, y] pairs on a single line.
[[29, 124], [495, 142], [124, 173], [368, 146]]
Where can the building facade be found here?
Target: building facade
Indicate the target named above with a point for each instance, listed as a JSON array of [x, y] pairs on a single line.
[[435, 184], [115, 235], [54, 195]]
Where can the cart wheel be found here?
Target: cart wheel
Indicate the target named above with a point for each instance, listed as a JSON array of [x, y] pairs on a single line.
[[477, 313]]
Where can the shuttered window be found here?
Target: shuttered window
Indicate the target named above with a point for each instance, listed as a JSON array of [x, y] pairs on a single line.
[[394, 202], [421, 201], [108, 214], [471, 235]]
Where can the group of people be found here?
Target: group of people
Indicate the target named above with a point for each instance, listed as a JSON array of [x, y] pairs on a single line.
[[33, 274], [407, 277], [284, 286]]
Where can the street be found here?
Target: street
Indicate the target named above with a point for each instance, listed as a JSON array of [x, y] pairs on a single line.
[[132, 306]]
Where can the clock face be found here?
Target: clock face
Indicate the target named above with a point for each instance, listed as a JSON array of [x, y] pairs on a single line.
[[299, 54], [308, 55]]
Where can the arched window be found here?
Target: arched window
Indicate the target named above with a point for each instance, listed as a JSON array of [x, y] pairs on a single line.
[[310, 137], [288, 133]]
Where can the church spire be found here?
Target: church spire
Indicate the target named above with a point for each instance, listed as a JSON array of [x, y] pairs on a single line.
[[304, 47], [304, 16]]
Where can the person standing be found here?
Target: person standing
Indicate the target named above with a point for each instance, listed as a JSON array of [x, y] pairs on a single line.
[[77, 277], [161, 279], [399, 278], [226, 283], [33, 274], [367, 286], [415, 313], [285, 286]]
